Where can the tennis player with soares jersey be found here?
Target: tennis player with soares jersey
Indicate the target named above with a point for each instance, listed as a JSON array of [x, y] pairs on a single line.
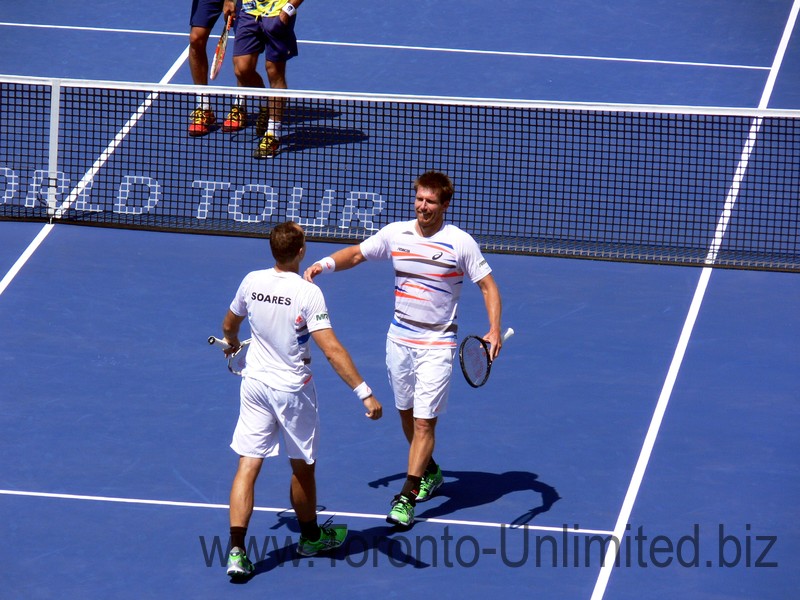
[[278, 395], [431, 259]]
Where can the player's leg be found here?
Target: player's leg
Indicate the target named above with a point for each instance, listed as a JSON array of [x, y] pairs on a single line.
[[201, 21], [303, 490], [280, 47], [299, 419], [432, 477], [247, 47], [244, 67], [242, 501], [407, 423], [434, 370], [269, 124], [402, 380], [421, 449], [242, 498], [254, 438], [198, 57]]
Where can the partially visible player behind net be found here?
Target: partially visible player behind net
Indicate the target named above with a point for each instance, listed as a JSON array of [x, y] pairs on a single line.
[[204, 16], [263, 26]]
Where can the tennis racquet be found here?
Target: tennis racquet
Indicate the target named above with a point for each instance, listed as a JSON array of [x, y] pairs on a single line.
[[219, 53], [237, 360], [473, 354]]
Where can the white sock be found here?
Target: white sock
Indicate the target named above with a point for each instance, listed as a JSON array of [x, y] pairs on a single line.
[[274, 127]]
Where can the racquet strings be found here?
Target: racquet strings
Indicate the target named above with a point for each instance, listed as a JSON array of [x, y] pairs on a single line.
[[475, 360]]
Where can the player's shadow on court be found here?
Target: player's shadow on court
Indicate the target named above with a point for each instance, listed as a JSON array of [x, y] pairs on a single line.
[[320, 136], [303, 135], [361, 548], [304, 130], [295, 114], [305, 138], [466, 489]]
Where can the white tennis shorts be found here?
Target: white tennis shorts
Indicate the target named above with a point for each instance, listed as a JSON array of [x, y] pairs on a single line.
[[265, 413], [420, 378]]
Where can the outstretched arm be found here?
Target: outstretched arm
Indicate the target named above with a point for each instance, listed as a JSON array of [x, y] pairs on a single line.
[[343, 259], [343, 364], [494, 309]]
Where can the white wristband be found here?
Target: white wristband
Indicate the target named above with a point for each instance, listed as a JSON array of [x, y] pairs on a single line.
[[327, 264], [289, 9], [363, 391]]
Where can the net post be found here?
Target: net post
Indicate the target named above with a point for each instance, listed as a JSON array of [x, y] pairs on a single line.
[[52, 155]]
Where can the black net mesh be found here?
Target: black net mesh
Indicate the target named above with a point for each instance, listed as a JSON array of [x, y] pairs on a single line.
[[614, 182]]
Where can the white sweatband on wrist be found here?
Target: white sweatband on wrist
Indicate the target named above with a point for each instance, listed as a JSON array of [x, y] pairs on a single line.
[[289, 9], [363, 391], [327, 264]]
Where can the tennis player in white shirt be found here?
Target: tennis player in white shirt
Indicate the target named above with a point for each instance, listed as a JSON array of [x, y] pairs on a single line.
[[431, 258], [278, 396]]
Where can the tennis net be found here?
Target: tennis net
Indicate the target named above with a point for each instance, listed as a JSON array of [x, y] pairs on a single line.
[[686, 186]]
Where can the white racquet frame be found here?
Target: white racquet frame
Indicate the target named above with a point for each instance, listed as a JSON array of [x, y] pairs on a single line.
[[219, 53], [235, 363]]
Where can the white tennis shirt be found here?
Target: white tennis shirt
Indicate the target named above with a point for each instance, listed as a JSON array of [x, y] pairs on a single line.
[[283, 310], [429, 277]]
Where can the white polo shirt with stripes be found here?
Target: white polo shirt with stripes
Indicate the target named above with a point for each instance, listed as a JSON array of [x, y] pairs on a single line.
[[429, 277]]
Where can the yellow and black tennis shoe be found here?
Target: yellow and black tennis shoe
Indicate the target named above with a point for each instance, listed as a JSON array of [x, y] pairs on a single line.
[[262, 121], [267, 147], [236, 119], [200, 122]]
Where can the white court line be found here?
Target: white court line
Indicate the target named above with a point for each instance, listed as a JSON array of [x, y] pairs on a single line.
[[114, 499], [649, 61], [17, 266], [121, 135], [88, 176], [425, 48], [663, 400]]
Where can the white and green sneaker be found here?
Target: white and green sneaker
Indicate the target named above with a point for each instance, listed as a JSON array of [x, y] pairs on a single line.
[[329, 538], [429, 484], [238, 563], [402, 512]]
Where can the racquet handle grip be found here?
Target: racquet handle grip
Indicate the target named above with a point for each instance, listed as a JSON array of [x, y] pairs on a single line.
[[215, 341]]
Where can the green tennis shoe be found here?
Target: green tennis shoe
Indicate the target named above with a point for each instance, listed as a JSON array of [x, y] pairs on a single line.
[[238, 564], [329, 538], [402, 512], [429, 484]]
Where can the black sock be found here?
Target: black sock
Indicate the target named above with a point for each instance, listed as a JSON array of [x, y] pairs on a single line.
[[432, 466], [237, 537], [309, 530], [411, 488]]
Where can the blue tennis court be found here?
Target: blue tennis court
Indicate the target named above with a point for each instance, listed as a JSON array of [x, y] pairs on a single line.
[[656, 402]]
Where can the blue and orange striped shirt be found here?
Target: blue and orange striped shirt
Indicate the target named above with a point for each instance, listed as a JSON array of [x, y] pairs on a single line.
[[429, 277]]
